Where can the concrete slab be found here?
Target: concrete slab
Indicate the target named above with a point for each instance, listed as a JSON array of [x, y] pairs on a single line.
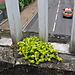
[[61, 48], [5, 41]]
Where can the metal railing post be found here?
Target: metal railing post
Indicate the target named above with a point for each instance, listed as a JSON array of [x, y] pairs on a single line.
[[72, 43], [13, 13], [43, 19]]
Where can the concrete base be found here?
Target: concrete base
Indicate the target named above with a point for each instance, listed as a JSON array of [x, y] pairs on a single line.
[[5, 41], [61, 48]]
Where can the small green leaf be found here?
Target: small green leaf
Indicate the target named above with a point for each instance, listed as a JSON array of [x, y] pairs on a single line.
[[31, 61], [20, 53]]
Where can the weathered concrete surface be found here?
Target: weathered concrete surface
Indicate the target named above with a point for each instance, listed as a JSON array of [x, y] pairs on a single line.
[[9, 56], [61, 47], [32, 70], [5, 41], [68, 63], [5, 66], [7, 59], [6, 55]]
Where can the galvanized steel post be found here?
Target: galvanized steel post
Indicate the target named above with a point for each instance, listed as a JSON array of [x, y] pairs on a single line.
[[43, 19], [72, 43], [13, 13]]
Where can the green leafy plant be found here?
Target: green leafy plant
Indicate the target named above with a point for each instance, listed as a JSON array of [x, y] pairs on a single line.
[[24, 3], [35, 51]]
